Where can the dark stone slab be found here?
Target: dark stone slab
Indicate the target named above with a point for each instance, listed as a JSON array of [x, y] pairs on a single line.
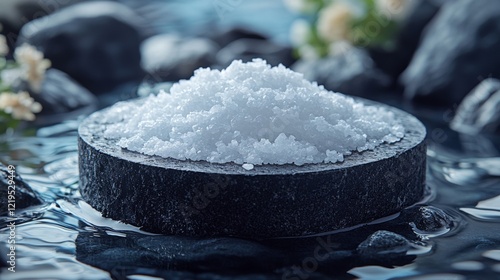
[[459, 47], [97, 43], [25, 196], [202, 199]]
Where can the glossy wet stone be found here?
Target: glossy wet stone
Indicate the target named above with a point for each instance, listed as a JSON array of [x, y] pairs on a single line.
[[393, 60], [169, 57], [97, 43], [479, 112], [385, 244], [355, 73], [24, 195], [202, 199], [459, 48]]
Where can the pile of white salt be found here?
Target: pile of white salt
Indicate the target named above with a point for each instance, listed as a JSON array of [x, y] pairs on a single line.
[[251, 113]]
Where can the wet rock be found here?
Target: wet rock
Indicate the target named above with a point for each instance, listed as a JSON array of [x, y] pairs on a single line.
[[352, 72], [479, 112], [169, 57], [395, 59], [429, 219], [225, 37], [173, 252], [246, 49], [15, 13], [61, 94], [384, 242], [197, 258], [96, 43], [458, 47], [24, 195]]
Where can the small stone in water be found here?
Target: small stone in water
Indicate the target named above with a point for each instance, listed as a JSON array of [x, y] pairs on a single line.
[[251, 113], [247, 166]]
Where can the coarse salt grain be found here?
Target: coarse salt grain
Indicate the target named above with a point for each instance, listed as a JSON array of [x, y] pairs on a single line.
[[251, 113]]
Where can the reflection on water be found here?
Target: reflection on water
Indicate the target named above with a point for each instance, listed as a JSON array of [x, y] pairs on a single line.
[[455, 235]]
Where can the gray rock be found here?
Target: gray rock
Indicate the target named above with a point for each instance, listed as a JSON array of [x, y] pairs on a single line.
[[394, 60], [459, 47], [430, 219], [24, 195], [246, 49], [203, 199], [283, 258], [96, 43], [61, 94], [479, 112], [384, 242], [168, 57], [15, 13], [352, 72], [227, 36]]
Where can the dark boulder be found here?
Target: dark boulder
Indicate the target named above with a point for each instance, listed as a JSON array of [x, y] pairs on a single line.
[[395, 59], [15, 13], [246, 49], [24, 195], [384, 242], [168, 57], [352, 72], [225, 37], [61, 94], [459, 47], [96, 43], [479, 112]]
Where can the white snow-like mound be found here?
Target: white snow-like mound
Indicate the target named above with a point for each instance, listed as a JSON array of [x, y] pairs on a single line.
[[251, 113]]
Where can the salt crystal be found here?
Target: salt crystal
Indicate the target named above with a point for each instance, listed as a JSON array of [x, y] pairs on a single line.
[[247, 166], [252, 114]]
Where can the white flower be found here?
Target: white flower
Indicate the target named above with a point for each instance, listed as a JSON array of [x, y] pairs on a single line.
[[4, 48], [300, 31], [334, 22], [300, 6], [394, 9], [33, 65], [21, 105]]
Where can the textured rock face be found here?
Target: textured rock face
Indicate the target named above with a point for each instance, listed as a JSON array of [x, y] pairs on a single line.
[[480, 110], [352, 72], [394, 61], [25, 197], [96, 43], [459, 47], [202, 199]]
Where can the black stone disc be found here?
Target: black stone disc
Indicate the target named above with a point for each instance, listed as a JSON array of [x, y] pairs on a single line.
[[197, 198]]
